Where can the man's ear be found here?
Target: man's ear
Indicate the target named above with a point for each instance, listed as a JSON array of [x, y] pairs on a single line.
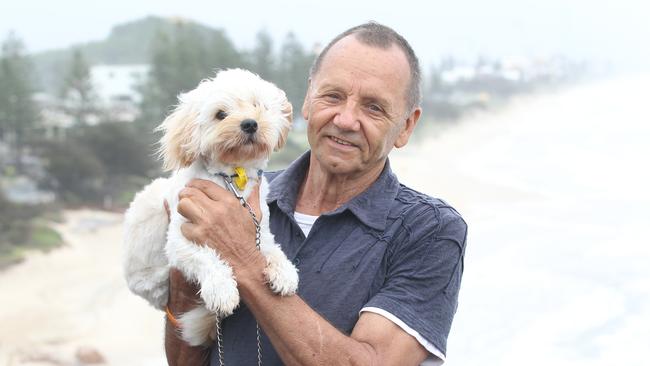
[[409, 126], [305, 104]]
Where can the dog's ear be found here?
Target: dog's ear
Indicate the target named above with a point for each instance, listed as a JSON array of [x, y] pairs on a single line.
[[177, 146], [287, 113]]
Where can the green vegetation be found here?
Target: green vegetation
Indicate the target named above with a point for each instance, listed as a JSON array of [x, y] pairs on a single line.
[[39, 237], [19, 115], [185, 54], [129, 43], [77, 91], [99, 162], [22, 228], [97, 165]]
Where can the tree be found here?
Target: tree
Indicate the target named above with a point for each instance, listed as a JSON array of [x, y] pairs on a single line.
[[77, 92], [293, 70], [73, 171], [261, 59], [179, 60], [156, 91], [118, 148], [96, 162], [222, 53], [19, 114]]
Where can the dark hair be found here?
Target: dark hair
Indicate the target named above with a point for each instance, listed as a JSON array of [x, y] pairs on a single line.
[[380, 36]]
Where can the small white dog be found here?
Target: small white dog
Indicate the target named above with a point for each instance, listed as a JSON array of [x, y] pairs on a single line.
[[227, 125]]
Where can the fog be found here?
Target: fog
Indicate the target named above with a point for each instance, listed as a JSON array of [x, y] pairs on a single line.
[[551, 180]]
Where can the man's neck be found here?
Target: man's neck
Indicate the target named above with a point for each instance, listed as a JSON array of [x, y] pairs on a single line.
[[322, 191]]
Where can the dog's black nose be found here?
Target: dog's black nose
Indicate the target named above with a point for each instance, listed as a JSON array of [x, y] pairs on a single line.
[[248, 125]]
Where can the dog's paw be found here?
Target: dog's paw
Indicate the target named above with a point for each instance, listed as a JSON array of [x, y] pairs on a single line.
[[282, 275], [220, 297]]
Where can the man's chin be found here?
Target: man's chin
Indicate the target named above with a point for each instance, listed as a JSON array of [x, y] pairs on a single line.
[[339, 165]]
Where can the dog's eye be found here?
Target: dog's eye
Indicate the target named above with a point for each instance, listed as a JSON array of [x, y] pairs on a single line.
[[221, 115]]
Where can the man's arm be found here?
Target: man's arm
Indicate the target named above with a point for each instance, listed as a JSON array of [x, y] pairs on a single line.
[[302, 337], [299, 334], [182, 298]]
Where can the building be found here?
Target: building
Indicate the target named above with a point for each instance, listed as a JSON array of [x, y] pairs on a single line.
[[116, 89]]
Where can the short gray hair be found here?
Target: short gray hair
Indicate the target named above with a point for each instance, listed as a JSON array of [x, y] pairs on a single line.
[[380, 36]]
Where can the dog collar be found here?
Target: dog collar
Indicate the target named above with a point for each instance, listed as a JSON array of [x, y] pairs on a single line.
[[240, 178]]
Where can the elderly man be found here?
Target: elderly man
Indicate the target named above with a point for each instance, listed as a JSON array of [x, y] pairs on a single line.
[[380, 264]]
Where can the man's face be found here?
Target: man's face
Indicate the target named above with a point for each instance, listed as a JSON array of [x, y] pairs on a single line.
[[356, 107]]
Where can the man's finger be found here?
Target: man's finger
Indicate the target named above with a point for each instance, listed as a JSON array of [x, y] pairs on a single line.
[[189, 231], [190, 209], [192, 193], [195, 195]]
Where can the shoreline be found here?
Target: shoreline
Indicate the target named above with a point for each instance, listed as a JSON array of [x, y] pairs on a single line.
[[75, 298]]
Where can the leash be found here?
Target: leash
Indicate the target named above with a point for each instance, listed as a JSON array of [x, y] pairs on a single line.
[[240, 179]]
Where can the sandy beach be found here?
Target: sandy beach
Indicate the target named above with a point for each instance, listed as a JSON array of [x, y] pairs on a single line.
[[555, 191], [75, 298]]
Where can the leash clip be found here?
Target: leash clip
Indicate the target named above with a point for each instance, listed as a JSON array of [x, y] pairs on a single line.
[[230, 185]]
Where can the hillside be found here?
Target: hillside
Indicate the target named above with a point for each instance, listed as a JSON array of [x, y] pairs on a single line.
[[128, 43]]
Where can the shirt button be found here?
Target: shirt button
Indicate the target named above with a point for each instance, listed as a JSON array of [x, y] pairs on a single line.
[[296, 261]]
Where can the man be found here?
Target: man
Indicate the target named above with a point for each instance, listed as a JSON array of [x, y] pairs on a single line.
[[380, 264]]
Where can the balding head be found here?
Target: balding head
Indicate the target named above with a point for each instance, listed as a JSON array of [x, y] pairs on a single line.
[[380, 36]]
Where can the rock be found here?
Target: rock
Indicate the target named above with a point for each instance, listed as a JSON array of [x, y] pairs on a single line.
[[89, 356]]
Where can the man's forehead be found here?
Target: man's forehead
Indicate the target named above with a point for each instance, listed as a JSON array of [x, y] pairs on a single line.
[[350, 60], [351, 46]]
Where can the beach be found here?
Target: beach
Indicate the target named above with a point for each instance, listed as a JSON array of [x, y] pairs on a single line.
[[554, 188], [555, 192], [75, 300]]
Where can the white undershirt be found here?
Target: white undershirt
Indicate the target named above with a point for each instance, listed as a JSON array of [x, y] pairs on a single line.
[[305, 222]]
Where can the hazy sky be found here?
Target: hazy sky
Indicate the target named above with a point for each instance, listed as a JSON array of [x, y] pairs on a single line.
[[616, 31]]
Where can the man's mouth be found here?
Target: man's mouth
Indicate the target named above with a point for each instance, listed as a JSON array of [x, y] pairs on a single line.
[[341, 142]]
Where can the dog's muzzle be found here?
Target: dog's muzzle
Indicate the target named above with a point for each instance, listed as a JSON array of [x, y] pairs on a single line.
[[249, 126]]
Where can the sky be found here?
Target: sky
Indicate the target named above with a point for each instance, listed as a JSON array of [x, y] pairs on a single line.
[[604, 32]]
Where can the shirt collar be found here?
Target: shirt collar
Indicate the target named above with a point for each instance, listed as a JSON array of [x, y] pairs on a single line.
[[370, 206], [284, 188]]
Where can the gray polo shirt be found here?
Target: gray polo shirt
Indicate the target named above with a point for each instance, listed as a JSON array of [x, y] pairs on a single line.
[[390, 248]]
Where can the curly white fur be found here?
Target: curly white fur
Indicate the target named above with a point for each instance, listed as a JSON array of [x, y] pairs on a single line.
[[198, 142]]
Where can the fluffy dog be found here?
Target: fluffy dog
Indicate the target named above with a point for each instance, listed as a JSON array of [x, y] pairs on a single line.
[[227, 125]]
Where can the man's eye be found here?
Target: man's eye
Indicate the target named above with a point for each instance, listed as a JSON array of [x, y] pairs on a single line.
[[332, 97], [221, 115], [375, 108]]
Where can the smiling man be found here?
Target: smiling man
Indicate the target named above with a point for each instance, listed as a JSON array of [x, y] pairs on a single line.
[[380, 264]]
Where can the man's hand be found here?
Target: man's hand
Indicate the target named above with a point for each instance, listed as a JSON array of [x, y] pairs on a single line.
[[217, 219]]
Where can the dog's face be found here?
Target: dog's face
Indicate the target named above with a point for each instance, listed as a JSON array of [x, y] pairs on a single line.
[[232, 119]]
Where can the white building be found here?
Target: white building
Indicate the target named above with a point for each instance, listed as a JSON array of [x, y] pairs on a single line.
[[118, 82], [116, 89]]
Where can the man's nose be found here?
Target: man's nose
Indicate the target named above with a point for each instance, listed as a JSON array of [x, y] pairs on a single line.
[[248, 125], [348, 117]]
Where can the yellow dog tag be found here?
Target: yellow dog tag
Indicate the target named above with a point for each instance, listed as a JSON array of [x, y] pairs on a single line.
[[241, 179]]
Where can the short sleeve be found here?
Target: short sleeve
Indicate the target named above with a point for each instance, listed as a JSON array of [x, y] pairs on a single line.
[[423, 279]]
